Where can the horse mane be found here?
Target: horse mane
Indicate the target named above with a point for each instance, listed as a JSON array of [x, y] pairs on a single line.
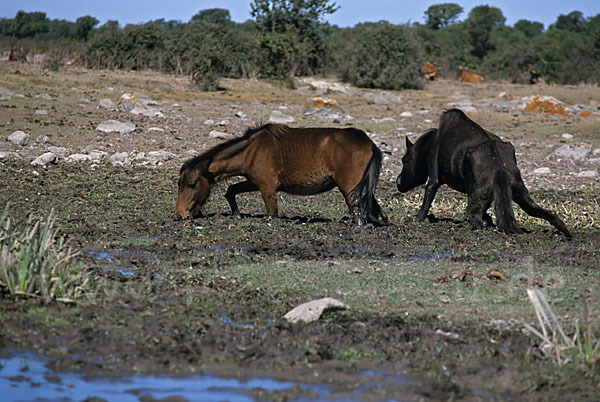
[[424, 139], [234, 145], [451, 118]]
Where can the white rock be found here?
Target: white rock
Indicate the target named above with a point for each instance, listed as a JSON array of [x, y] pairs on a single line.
[[120, 158], [111, 126], [312, 311], [469, 109], [107, 104], [6, 155], [98, 156], [574, 151], [567, 136], [156, 129], [148, 111], [42, 139], [159, 156], [406, 114], [44, 159], [79, 158], [587, 173], [58, 151], [41, 112], [278, 117], [19, 138], [209, 122], [220, 135], [542, 171]]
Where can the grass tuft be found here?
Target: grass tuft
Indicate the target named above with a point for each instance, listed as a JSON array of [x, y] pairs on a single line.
[[35, 262]]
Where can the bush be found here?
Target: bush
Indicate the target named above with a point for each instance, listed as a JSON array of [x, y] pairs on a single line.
[[384, 56], [33, 262]]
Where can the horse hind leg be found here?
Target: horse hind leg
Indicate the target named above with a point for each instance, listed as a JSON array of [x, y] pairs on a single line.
[[478, 204], [524, 200], [503, 197]]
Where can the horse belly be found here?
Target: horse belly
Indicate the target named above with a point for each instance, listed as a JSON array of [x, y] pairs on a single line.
[[313, 184]]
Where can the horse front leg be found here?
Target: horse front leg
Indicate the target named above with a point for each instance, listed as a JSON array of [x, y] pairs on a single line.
[[430, 190], [235, 189], [270, 198]]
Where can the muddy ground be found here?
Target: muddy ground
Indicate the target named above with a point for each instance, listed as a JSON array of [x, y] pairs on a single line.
[[208, 295]]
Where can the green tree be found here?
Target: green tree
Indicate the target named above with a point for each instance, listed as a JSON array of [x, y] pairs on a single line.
[[573, 22], [442, 15], [481, 22], [291, 34], [529, 28], [28, 25], [83, 26], [217, 16]]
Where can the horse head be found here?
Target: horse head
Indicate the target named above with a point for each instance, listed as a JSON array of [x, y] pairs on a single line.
[[414, 164], [194, 189]]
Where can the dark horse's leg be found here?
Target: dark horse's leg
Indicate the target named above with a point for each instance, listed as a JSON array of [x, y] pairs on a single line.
[[430, 189], [235, 189], [478, 204], [522, 197]]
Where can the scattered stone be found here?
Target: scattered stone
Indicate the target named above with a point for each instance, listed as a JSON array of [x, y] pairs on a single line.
[[469, 109], [278, 117], [383, 119], [156, 129], [567, 136], [45, 96], [574, 151], [41, 112], [220, 135], [159, 156], [451, 335], [323, 87], [111, 126], [240, 115], [542, 171], [58, 151], [19, 138], [44, 159], [463, 275], [127, 102], [209, 122], [120, 159], [6, 155], [107, 104], [587, 173], [406, 114], [78, 158], [257, 103], [42, 139], [98, 156], [144, 110], [312, 311]]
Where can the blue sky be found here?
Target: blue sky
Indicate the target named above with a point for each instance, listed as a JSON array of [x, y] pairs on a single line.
[[350, 13]]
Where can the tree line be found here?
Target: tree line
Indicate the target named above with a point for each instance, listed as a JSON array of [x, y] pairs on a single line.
[[287, 38]]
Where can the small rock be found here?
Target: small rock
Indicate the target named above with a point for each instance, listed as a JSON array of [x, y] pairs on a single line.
[[79, 158], [209, 122], [120, 158], [542, 171], [6, 155], [278, 117], [406, 114], [574, 151], [110, 126], [496, 274], [159, 156], [220, 135], [148, 111], [44, 159], [587, 173], [312, 311], [42, 139], [257, 103], [567, 136], [98, 156], [107, 104], [451, 335], [58, 151], [240, 115], [469, 109], [19, 138], [156, 129], [41, 112]]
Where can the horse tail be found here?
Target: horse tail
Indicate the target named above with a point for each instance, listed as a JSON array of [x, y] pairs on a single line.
[[505, 217], [364, 201]]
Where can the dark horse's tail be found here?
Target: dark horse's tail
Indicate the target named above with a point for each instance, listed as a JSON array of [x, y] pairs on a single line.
[[364, 201], [505, 217]]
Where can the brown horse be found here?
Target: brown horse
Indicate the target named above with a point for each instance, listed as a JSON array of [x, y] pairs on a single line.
[[470, 160], [301, 161]]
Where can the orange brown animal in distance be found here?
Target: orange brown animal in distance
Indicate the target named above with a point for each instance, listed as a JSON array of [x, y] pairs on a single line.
[[302, 161], [535, 77], [466, 76], [429, 71]]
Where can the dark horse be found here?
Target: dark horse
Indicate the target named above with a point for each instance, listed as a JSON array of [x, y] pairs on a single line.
[[474, 161], [301, 161]]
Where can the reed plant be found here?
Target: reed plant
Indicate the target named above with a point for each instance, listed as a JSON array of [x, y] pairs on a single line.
[[36, 262]]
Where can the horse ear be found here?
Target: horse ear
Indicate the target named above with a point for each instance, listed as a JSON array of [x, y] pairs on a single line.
[[408, 143]]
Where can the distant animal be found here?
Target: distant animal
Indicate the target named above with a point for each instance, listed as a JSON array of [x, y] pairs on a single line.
[[429, 71], [474, 161], [535, 77], [466, 76], [301, 161]]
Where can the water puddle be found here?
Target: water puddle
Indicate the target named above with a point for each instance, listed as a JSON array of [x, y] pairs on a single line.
[[116, 260], [24, 377]]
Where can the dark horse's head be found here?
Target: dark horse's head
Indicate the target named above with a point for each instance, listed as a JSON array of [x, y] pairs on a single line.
[[414, 163], [195, 182]]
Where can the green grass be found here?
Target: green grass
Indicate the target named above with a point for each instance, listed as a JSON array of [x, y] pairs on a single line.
[[35, 262]]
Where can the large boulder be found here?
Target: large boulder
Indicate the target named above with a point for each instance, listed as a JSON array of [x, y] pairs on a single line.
[[19, 138]]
